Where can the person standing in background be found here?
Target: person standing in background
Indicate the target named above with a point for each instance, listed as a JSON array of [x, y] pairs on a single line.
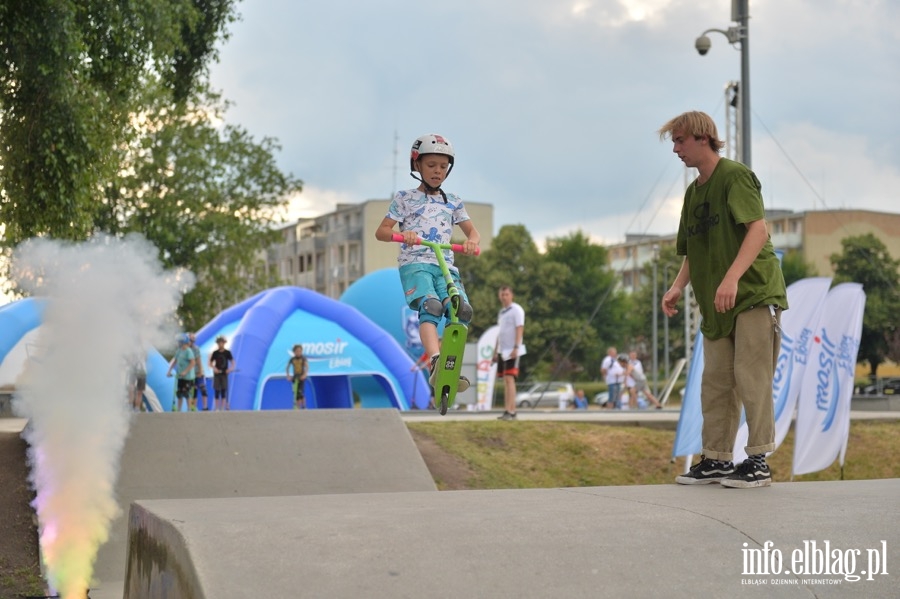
[[222, 363], [199, 375], [511, 321], [608, 369]]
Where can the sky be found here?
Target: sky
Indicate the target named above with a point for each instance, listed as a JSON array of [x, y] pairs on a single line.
[[553, 106]]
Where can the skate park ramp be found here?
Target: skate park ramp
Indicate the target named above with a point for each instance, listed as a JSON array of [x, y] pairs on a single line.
[[201, 455], [642, 541]]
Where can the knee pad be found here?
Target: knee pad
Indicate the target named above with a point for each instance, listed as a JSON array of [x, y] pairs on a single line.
[[465, 312], [430, 310]]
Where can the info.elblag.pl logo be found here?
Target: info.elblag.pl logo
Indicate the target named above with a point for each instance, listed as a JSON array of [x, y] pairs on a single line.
[[812, 563]]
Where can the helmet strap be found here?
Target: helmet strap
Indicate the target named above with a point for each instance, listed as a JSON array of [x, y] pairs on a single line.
[[428, 188]]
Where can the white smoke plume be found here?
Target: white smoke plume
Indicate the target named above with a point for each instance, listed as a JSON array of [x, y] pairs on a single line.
[[107, 301]]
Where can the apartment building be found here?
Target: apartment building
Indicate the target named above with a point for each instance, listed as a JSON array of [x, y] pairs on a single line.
[[329, 252], [816, 234]]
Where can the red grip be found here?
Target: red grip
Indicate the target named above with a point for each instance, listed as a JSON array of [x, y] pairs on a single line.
[[397, 237], [459, 248]]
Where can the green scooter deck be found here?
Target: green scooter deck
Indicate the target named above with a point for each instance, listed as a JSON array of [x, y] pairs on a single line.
[[449, 365]]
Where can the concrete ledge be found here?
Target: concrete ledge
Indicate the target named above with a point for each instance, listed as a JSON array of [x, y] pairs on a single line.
[[259, 454], [650, 541], [876, 403]]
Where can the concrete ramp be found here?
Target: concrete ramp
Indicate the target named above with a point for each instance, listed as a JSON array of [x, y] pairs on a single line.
[[650, 541], [258, 454]]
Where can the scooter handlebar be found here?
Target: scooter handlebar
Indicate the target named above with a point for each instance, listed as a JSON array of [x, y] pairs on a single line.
[[456, 247]]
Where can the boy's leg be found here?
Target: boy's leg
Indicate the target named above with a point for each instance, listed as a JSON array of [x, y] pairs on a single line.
[[718, 399], [757, 341]]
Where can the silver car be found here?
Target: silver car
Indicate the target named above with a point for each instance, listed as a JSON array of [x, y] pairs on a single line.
[[545, 395]]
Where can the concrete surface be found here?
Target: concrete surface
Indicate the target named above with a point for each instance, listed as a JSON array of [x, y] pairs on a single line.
[[258, 454], [645, 541]]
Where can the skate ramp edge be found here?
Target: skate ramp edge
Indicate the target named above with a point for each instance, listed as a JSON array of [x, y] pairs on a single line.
[[209, 455], [643, 541]]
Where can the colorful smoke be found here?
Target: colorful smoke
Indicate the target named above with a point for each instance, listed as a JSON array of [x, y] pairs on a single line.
[[107, 299]]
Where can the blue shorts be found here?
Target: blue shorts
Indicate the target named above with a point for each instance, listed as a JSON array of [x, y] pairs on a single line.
[[421, 280]]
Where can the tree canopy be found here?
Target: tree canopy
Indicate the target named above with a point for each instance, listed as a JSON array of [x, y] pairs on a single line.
[[865, 259], [572, 309], [107, 124], [71, 76]]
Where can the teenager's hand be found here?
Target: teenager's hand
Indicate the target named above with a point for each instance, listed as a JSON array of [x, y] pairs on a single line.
[[470, 247], [670, 301], [726, 295]]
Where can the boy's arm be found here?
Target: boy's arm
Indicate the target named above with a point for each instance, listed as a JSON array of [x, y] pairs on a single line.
[[287, 369], [757, 235], [189, 368], [385, 232], [473, 238]]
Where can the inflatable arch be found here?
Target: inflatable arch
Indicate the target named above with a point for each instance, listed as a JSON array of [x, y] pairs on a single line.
[[19, 325], [348, 354]]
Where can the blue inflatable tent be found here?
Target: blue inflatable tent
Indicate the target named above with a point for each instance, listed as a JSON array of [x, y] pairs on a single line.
[[348, 354], [19, 322]]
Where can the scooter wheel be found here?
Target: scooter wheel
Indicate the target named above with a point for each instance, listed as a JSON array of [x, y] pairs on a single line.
[[445, 397]]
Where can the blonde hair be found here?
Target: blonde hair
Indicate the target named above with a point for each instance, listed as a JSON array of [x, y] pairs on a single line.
[[696, 123]]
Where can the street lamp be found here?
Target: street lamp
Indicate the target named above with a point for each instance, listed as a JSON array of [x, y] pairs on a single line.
[[739, 34], [655, 325]]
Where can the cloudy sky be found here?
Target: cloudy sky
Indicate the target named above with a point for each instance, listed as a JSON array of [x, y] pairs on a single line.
[[553, 105]]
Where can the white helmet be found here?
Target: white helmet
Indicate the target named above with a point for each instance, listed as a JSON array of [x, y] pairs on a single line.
[[430, 144]]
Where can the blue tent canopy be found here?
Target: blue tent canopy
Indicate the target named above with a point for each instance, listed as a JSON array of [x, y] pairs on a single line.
[[347, 353]]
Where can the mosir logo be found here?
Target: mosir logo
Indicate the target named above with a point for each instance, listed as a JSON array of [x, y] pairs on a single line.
[[812, 559], [834, 359], [328, 350]]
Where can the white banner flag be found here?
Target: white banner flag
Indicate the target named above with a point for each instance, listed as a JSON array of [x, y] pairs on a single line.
[[486, 370], [806, 299], [823, 409]]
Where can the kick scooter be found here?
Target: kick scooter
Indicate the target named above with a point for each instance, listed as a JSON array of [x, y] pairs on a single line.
[[453, 344]]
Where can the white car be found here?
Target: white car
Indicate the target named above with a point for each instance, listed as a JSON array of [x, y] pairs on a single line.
[[555, 394]]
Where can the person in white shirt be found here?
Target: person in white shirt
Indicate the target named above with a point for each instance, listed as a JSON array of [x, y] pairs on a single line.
[[511, 321], [609, 368], [636, 381]]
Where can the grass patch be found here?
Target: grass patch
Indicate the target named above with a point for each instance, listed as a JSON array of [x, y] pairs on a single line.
[[535, 454], [19, 581]]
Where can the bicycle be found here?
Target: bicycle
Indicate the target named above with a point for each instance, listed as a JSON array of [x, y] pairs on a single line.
[[453, 343]]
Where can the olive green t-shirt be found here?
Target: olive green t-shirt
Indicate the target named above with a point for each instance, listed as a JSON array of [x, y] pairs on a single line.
[[713, 226]]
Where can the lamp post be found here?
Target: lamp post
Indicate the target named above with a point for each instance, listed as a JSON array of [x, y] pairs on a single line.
[[739, 34], [655, 322], [666, 326]]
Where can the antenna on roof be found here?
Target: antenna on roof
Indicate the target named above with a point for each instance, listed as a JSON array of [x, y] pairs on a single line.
[[396, 151]]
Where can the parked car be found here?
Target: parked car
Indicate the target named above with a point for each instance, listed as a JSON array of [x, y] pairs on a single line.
[[545, 394], [888, 386]]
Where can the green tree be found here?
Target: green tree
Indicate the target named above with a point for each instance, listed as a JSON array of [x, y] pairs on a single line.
[[567, 294], [206, 196], [865, 259], [596, 311], [794, 267], [71, 75]]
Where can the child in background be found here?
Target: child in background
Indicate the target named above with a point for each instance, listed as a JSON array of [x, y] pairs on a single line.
[[297, 371]]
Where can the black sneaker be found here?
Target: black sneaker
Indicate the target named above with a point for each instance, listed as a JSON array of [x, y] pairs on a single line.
[[461, 386], [432, 371], [507, 416], [747, 475], [706, 471]]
